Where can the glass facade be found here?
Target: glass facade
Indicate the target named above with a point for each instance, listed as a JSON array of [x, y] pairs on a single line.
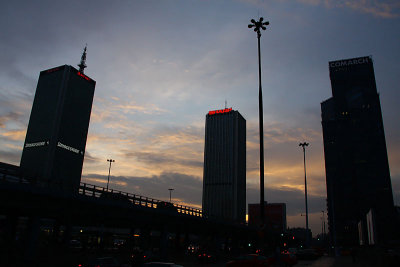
[[224, 180], [56, 136], [356, 162]]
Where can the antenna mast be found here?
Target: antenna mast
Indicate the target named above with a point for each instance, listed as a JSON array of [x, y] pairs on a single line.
[[82, 65]]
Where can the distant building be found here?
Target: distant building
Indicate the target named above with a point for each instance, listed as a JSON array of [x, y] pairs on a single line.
[[275, 216], [224, 180], [356, 162], [56, 137]]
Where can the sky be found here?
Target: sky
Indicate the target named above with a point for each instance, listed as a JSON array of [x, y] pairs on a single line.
[[160, 66]]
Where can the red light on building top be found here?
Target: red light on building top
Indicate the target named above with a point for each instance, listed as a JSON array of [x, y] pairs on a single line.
[[220, 111], [83, 76], [52, 70]]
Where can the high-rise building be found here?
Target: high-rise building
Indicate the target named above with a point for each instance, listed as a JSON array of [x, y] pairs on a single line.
[[224, 179], [356, 162], [56, 136]]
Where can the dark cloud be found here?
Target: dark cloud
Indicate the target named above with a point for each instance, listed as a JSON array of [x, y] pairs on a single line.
[[157, 158], [11, 157], [91, 159], [187, 188], [294, 199]]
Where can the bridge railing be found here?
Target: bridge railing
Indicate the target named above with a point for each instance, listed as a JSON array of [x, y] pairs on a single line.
[[102, 192], [14, 176]]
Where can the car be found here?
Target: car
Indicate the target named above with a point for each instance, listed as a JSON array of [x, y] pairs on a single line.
[[251, 260], [206, 257], [162, 205], [139, 257], [161, 264]]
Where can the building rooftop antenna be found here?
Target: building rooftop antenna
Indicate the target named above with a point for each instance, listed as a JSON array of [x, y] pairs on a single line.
[[82, 65], [226, 102]]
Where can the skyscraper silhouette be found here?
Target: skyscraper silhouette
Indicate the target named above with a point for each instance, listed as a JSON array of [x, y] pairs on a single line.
[[224, 179], [356, 162], [56, 136]]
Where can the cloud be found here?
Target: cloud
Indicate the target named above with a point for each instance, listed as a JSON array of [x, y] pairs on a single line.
[[294, 199], [15, 135], [90, 159], [187, 188], [284, 159], [310, 2], [279, 133], [10, 116], [387, 9], [10, 156], [396, 189], [384, 9], [188, 191], [146, 150], [159, 159], [134, 108]]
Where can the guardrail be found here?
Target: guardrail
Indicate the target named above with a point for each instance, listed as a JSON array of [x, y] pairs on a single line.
[[98, 191], [101, 192]]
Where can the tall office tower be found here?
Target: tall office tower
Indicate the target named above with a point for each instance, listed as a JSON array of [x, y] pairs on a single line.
[[224, 178], [56, 137], [356, 162]]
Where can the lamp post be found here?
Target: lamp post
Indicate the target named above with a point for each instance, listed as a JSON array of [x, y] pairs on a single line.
[[170, 191], [258, 26], [305, 188], [109, 170]]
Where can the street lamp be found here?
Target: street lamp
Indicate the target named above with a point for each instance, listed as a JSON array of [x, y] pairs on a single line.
[[258, 25], [305, 187], [109, 169], [170, 191]]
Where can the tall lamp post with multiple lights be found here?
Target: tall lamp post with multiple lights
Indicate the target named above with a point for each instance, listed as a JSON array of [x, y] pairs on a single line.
[[305, 189], [258, 26], [109, 170]]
